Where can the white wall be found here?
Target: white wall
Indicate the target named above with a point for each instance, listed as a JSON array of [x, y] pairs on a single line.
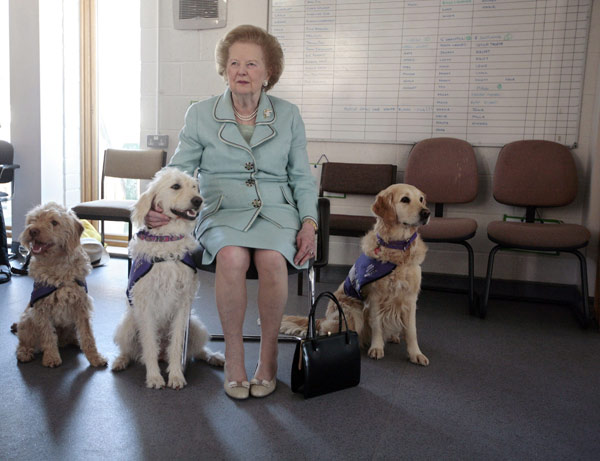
[[25, 104], [186, 72], [44, 86], [187, 68]]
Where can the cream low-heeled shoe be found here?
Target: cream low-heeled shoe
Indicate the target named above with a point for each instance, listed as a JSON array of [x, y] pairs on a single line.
[[236, 389], [262, 387]]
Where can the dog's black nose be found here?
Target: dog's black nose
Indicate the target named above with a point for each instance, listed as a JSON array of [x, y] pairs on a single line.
[[197, 201], [33, 232], [424, 214]]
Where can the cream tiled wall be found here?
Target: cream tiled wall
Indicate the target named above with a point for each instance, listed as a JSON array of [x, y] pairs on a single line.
[[186, 72]]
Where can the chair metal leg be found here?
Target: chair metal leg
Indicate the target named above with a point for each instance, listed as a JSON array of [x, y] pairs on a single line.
[[473, 298], [488, 281], [185, 343], [311, 287], [129, 237], [585, 309], [102, 231]]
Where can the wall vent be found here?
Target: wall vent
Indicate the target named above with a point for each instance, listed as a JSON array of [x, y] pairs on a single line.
[[199, 14]]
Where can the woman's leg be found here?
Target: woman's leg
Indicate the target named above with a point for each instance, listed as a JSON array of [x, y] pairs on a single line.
[[230, 289], [272, 298]]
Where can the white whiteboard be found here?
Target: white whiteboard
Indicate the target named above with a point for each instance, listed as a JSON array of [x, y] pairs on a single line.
[[487, 71]]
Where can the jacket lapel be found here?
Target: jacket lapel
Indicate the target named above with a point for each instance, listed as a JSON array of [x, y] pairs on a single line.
[[265, 119], [229, 132]]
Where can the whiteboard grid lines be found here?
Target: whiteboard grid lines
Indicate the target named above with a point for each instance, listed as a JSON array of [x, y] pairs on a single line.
[[397, 72]]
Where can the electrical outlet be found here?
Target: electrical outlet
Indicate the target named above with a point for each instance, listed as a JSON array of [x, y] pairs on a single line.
[[158, 140]]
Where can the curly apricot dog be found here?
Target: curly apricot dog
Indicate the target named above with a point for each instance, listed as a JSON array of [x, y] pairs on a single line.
[[60, 309]]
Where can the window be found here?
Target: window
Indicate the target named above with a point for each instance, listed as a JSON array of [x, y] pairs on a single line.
[[118, 80]]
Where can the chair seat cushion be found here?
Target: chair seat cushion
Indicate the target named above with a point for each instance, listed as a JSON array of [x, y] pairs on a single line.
[[538, 236], [448, 229], [350, 226], [105, 209]]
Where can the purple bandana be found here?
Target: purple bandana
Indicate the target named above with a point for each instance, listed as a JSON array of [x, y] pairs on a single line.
[[397, 244], [41, 290], [365, 271], [145, 235]]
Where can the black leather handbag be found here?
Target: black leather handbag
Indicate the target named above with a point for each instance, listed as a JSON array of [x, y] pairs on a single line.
[[328, 363]]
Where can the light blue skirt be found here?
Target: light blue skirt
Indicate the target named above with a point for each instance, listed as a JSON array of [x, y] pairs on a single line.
[[263, 234]]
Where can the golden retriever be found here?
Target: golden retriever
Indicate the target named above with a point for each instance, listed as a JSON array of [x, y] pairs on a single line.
[[60, 309], [163, 283], [388, 306]]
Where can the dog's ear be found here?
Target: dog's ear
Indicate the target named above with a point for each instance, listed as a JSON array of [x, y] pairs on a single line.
[[141, 208], [74, 233], [384, 208], [79, 228], [29, 217]]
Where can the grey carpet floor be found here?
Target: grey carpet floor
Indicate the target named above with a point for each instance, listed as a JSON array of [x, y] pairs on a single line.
[[522, 384]]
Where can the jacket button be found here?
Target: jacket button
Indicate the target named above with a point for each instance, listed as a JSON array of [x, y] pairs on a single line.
[[250, 182], [249, 166], [256, 203]]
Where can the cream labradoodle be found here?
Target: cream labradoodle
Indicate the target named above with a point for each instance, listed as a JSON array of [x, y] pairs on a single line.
[[163, 283]]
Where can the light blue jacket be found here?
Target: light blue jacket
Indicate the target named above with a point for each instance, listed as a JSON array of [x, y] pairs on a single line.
[[269, 177]]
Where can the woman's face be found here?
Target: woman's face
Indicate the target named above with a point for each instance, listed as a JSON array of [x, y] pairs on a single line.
[[246, 69]]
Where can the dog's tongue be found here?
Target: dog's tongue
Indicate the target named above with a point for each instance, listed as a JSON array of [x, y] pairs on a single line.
[[37, 247]]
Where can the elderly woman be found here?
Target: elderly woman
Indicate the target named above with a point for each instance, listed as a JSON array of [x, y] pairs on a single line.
[[260, 199]]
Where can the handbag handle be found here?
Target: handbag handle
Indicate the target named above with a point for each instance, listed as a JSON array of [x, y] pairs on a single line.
[[310, 334]]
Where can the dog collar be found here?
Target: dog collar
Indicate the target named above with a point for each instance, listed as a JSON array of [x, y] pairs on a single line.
[[396, 244], [145, 235]]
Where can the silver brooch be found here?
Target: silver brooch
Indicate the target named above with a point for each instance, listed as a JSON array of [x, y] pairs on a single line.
[[267, 113]]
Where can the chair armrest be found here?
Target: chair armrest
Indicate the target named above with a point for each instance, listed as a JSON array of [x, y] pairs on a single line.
[[11, 166]]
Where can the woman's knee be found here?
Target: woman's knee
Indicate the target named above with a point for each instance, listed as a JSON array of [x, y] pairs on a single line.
[[233, 259], [270, 262]]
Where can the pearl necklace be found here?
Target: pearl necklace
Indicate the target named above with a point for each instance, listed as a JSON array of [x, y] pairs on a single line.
[[245, 118]]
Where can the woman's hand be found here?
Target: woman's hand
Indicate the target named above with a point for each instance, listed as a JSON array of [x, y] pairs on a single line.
[[156, 218], [305, 242]]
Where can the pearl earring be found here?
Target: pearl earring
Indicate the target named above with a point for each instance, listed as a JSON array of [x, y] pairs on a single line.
[[265, 83]]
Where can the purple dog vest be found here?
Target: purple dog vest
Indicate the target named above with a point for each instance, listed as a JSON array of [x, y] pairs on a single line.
[[141, 267], [41, 290], [365, 271]]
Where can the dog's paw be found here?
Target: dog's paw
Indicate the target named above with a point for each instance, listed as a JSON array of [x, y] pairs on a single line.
[[419, 359], [120, 363], [25, 354], [51, 360], [176, 381], [376, 352], [155, 382], [216, 359], [97, 361]]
